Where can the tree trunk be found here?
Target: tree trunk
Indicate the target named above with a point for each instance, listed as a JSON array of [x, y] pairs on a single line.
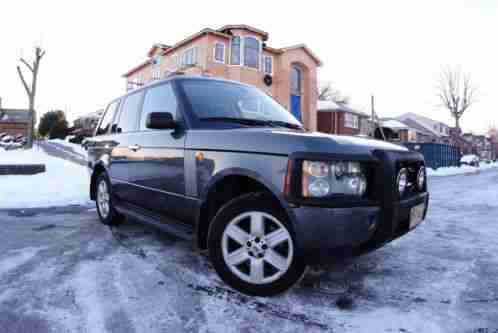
[[457, 124]]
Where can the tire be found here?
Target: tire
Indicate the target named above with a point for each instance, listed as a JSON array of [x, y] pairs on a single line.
[[109, 215], [269, 262]]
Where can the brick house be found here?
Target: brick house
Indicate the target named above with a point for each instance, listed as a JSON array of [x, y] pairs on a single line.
[[433, 130], [14, 121], [336, 118], [240, 53], [395, 130]]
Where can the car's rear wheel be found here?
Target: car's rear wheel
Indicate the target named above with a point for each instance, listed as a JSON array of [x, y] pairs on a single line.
[[252, 246], [105, 203]]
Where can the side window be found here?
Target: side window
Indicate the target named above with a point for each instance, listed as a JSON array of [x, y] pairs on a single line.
[[159, 99], [129, 113], [105, 124]]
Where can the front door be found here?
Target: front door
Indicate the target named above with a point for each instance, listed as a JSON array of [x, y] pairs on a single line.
[[295, 93], [296, 106], [159, 160]]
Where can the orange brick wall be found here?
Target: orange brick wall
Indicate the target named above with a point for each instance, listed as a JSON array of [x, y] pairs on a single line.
[[282, 62]]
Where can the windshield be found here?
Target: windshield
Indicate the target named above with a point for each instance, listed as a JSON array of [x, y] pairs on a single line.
[[225, 100]]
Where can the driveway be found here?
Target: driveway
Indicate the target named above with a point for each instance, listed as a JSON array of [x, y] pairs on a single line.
[[63, 271]]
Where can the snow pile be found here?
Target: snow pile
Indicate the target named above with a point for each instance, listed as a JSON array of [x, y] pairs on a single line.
[[63, 183], [464, 169]]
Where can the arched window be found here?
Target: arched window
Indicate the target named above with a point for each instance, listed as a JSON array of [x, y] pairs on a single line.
[[251, 52], [295, 80]]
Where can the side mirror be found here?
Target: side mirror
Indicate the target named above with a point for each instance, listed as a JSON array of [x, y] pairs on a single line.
[[160, 120]]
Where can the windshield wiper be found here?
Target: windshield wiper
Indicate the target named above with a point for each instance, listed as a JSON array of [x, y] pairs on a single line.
[[243, 121], [256, 122], [284, 124]]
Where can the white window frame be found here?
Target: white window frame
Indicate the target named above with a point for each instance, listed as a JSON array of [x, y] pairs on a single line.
[[195, 51], [174, 60], [214, 52], [241, 55], [351, 120], [260, 52], [264, 64], [242, 52]]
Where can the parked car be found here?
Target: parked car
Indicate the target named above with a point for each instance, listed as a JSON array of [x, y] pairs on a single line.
[[263, 195], [471, 159], [7, 139]]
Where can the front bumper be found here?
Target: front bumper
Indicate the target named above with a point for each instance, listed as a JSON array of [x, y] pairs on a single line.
[[325, 234]]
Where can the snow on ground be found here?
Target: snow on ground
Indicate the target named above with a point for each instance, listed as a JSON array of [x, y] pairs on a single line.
[[464, 169], [63, 183], [67, 272]]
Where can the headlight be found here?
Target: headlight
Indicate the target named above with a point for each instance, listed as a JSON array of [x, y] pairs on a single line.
[[402, 181], [421, 178], [321, 179]]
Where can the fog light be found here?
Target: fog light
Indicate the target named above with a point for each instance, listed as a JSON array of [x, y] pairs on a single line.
[[421, 179], [402, 181], [357, 184], [319, 188]]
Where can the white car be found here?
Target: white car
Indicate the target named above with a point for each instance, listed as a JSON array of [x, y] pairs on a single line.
[[471, 159]]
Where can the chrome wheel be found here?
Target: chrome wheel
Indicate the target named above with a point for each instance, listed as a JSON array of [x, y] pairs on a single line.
[[103, 199], [257, 247]]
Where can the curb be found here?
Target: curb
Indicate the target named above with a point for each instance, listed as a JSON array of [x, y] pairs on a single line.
[[21, 169]]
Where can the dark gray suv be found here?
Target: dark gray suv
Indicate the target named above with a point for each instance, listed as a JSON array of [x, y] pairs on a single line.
[[222, 163]]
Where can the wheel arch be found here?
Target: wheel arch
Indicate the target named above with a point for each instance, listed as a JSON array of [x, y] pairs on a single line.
[[98, 169], [227, 185]]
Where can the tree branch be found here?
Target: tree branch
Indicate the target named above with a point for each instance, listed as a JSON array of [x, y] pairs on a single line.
[[455, 92], [27, 64], [23, 81]]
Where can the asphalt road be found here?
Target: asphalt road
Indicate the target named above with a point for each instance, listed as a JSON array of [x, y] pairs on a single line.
[[63, 271]]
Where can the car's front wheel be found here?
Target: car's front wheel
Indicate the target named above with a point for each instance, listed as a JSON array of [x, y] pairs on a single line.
[[105, 203], [252, 246]]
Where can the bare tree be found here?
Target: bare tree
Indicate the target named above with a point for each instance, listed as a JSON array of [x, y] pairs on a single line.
[[328, 93], [456, 92], [31, 89]]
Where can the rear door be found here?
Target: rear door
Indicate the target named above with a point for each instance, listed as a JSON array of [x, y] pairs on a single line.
[[159, 160], [124, 130], [101, 144]]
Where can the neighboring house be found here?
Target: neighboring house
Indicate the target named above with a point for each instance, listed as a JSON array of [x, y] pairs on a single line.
[[337, 118], [434, 131], [464, 144], [395, 130], [240, 53], [482, 145], [86, 124], [14, 121]]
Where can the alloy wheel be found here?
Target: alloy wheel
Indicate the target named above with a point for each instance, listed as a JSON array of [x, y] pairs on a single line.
[[257, 247], [103, 199]]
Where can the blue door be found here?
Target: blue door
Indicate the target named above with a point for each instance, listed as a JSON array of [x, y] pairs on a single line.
[[295, 93], [296, 106]]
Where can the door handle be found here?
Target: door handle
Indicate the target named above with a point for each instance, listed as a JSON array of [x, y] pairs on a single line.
[[134, 147]]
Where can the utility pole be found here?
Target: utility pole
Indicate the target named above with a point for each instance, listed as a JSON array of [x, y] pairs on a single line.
[[375, 123]]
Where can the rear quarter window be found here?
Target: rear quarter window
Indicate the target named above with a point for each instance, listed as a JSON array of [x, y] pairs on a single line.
[[105, 123]]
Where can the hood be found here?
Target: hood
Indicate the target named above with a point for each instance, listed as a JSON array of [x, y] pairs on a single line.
[[283, 142]]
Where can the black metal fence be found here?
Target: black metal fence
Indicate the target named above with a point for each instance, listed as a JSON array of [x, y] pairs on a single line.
[[436, 155]]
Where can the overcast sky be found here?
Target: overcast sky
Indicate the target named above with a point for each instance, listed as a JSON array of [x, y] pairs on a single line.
[[393, 49]]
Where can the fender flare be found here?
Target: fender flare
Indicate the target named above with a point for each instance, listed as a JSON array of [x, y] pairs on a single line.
[[249, 174]]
